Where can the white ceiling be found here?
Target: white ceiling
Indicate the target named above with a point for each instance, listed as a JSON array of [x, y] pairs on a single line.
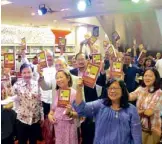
[[19, 12]]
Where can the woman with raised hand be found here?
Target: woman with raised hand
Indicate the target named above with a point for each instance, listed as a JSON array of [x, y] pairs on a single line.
[[149, 105], [116, 121], [62, 115], [28, 106]]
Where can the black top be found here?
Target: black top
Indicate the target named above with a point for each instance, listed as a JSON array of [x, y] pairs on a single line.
[[8, 119]]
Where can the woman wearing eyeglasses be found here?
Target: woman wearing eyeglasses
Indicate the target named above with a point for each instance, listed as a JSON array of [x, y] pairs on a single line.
[[116, 121]]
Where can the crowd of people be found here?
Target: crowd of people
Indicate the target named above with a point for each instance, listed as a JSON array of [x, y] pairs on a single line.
[[115, 111]]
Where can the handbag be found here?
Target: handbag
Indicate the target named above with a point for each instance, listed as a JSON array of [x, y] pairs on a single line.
[[48, 132]]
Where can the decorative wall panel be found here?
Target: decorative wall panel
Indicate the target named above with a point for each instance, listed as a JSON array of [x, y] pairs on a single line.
[[34, 36]]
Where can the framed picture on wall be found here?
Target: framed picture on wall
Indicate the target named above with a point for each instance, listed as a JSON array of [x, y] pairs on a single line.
[[95, 32]]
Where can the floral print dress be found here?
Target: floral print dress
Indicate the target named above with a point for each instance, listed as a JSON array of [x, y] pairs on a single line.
[[65, 127]]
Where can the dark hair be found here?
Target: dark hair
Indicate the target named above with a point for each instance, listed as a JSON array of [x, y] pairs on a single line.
[[35, 57], [157, 79], [19, 56], [25, 65], [128, 54], [78, 54], [125, 95], [146, 59], [68, 75]]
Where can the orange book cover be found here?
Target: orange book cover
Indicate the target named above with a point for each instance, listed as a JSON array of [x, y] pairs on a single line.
[[105, 44], [9, 61], [92, 40], [62, 44], [111, 51], [90, 75], [42, 59], [116, 70], [64, 97], [23, 44], [96, 58]]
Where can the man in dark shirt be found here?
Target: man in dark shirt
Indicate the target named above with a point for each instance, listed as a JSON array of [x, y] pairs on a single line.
[[88, 126], [130, 71]]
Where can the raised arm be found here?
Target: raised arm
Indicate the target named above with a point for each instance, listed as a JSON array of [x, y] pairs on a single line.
[[42, 82], [85, 109], [134, 95]]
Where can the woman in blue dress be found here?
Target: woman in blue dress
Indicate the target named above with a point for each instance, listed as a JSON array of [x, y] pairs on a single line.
[[116, 121]]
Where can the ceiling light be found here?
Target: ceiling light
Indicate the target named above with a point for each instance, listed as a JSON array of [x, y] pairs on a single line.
[[135, 1], [81, 5], [5, 2], [42, 10]]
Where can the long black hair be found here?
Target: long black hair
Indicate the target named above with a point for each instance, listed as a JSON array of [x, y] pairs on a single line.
[[125, 95]]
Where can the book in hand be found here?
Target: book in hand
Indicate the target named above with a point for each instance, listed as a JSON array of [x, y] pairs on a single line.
[[9, 61], [6, 88], [96, 59], [92, 40], [23, 44], [105, 44], [111, 51], [142, 55], [42, 59], [90, 75], [62, 44], [64, 98], [116, 70]]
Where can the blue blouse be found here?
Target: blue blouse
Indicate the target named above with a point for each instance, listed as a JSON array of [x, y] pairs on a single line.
[[112, 127]]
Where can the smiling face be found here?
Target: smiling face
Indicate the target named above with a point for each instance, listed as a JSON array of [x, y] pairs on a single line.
[[127, 60], [148, 63], [59, 64], [81, 61], [149, 78], [62, 80], [27, 74], [114, 92]]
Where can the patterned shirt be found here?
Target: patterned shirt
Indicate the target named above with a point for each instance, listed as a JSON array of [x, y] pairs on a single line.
[[146, 100], [29, 108]]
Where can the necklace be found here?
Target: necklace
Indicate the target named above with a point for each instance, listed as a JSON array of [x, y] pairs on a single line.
[[116, 111], [116, 114]]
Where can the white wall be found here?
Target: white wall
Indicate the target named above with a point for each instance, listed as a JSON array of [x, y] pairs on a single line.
[[159, 19], [82, 30]]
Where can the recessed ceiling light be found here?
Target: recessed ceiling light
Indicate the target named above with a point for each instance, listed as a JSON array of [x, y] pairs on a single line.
[[135, 1], [33, 14], [5, 2], [81, 5]]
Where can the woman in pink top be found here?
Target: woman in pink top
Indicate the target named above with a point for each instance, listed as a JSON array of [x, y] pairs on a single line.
[[62, 115], [149, 105]]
